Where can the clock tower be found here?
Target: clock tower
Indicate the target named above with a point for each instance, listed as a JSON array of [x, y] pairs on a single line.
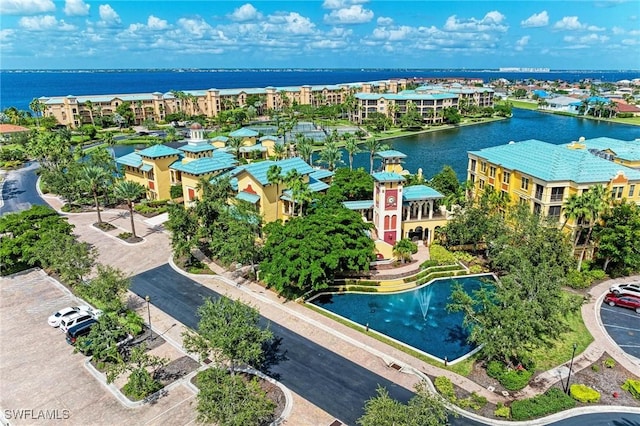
[[387, 206]]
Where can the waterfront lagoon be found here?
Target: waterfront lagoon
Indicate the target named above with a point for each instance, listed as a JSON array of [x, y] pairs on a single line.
[[416, 318]]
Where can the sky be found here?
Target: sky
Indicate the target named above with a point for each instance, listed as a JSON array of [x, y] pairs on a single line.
[[480, 34]]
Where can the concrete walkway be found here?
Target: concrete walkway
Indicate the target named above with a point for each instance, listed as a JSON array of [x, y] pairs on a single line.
[[354, 345]]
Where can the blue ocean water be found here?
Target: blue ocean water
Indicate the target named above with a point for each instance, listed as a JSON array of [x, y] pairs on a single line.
[[18, 88]]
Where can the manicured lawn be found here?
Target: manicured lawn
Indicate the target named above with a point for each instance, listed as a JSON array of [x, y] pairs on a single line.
[[523, 104]]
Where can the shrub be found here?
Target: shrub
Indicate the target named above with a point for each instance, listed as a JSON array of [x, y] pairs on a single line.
[[584, 393], [125, 235], [476, 269], [473, 401], [632, 386], [175, 191], [463, 256], [597, 274], [428, 263], [512, 380], [502, 411], [609, 363], [131, 322], [494, 369], [445, 387], [441, 255], [552, 401], [595, 368], [577, 279]]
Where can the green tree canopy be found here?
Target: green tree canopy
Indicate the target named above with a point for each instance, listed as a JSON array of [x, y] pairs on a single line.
[[618, 237], [306, 252], [350, 185]]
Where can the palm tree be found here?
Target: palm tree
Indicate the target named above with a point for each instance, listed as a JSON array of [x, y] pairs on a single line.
[[373, 146], [596, 203], [235, 144], [129, 191], [279, 151], [89, 105], [352, 148], [305, 150], [573, 208], [403, 249], [330, 155], [93, 178], [37, 107], [274, 176]]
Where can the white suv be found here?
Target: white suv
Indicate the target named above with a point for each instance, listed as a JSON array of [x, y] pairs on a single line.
[[74, 319], [632, 289]]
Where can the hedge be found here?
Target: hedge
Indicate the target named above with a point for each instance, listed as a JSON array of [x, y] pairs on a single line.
[[584, 393], [445, 387], [512, 380], [632, 386], [441, 255], [432, 270], [552, 401]]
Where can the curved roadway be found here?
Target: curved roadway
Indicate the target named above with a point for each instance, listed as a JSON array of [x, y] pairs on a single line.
[[332, 382]]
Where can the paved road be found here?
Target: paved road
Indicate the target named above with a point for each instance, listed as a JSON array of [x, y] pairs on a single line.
[[602, 419], [331, 382], [18, 190], [623, 325]]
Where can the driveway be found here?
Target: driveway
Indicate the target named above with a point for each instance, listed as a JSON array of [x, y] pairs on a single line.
[[327, 380], [18, 189], [623, 326]]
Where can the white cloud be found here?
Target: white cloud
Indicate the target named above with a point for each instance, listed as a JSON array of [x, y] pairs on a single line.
[[393, 34], [354, 14], [76, 8], [195, 26], [522, 42], [536, 20], [246, 12], [292, 23], [617, 30], [154, 23], [630, 42], [340, 4], [108, 16], [384, 21], [594, 28], [491, 22], [26, 7], [328, 44], [44, 23], [587, 39], [569, 23]]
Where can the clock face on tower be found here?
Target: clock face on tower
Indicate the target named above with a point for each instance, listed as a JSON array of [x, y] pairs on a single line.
[[391, 200]]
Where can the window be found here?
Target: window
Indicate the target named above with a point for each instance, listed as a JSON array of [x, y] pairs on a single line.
[[506, 177], [524, 185], [537, 208], [557, 194], [472, 166], [472, 178], [616, 192], [483, 167], [523, 201], [481, 184], [539, 190], [632, 189], [554, 212], [492, 172]]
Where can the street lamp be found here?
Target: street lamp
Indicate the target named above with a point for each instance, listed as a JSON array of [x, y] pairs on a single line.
[[148, 299], [566, 390]]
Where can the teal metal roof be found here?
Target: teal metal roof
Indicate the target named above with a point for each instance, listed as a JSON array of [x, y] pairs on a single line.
[[196, 148], [256, 147], [624, 150], [247, 196], [358, 205], [405, 96], [204, 165], [259, 169], [319, 174], [146, 167], [132, 159], [220, 139], [317, 185], [159, 150], [269, 138], [553, 163], [391, 153], [420, 192], [243, 133], [387, 177]]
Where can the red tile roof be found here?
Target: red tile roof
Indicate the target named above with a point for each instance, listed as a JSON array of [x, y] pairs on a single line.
[[11, 128], [623, 107]]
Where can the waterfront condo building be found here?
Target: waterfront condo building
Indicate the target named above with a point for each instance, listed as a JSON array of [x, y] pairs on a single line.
[[543, 175]]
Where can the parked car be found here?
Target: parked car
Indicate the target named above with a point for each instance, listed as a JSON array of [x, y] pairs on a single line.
[[632, 289], [75, 319], [56, 317], [79, 330], [624, 300]]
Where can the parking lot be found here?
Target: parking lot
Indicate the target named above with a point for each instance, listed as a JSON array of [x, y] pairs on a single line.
[[43, 382], [623, 326]]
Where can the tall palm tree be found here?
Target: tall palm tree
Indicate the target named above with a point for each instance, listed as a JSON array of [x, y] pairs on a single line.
[[235, 144], [596, 203], [374, 146], [93, 178], [573, 208], [129, 191], [89, 105], [274, 176], [305, 150], [37, 107], [352, 148], [279, 151], [330, 155]]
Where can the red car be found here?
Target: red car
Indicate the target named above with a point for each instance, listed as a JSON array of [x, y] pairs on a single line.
[[623, 300]]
